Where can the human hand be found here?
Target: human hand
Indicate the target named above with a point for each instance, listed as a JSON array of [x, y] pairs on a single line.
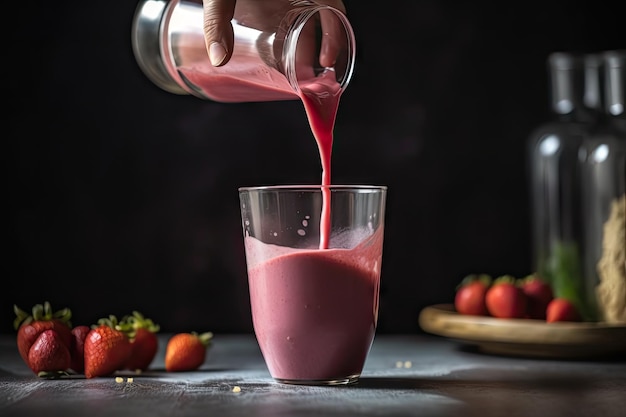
[[219, 35]]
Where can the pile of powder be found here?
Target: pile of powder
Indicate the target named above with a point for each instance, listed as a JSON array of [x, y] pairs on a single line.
[[611, 290]]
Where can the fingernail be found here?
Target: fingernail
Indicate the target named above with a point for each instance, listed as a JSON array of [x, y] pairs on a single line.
[[217, 53]]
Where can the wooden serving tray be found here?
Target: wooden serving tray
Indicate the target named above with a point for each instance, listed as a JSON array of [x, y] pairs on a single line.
[[525, 337]]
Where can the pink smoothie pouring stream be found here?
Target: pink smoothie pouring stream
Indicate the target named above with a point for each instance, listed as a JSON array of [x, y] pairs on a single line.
[[315, 311], [321, 106]]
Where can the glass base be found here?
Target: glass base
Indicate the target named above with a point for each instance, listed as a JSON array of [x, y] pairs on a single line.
[[352, 379]]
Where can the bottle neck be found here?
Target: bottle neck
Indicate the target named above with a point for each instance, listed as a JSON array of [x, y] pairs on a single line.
[[574, 87], [593, 96], [615, 85]]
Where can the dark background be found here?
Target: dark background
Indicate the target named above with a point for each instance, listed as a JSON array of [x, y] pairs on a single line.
[[124, 197]]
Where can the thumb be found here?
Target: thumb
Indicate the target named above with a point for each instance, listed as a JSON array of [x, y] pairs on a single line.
[[218, 31]]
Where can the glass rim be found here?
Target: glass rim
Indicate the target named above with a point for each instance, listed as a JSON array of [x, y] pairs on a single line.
[[314, 187], [293, 35]]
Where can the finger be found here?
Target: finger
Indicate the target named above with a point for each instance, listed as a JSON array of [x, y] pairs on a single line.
[[323, 49], [218, 31], [306, 52], [333, 38]]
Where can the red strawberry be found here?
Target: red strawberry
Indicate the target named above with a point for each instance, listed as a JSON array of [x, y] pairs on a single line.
[[144, 346], [77, 349], [561, 309], [106, 349], [186, 351], [470, 295], [539, 294], [505, 299], [30, 327], [143, 340], [49, 353]]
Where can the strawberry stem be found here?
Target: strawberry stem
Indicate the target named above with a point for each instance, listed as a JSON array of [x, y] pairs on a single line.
[[531, 277], [484, 278], [135, 321], [505, 279], [41, 312], [110, 321], [205, 338], [22, 317]]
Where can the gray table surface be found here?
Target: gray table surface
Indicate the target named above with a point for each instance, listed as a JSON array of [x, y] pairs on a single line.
[[411, 375]]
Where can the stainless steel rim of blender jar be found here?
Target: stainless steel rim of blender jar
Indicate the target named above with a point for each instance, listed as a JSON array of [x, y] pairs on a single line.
[[146, 43]]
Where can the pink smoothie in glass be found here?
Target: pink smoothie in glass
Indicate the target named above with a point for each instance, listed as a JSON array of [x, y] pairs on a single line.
[[315, 311]]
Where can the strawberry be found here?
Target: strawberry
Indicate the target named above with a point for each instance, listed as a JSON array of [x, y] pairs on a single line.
[[186, 351], [143, 340], [77, 349], [30, 327], [48, 354], [144, 346], [505, 299], [470, 295], [562, 309], [539, 294], [106, 349]]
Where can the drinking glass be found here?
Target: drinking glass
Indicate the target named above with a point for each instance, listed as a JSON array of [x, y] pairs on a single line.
[[314, 300]]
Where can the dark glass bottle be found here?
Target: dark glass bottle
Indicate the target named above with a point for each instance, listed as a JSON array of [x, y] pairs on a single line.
[[603, 171], [554, 175]]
